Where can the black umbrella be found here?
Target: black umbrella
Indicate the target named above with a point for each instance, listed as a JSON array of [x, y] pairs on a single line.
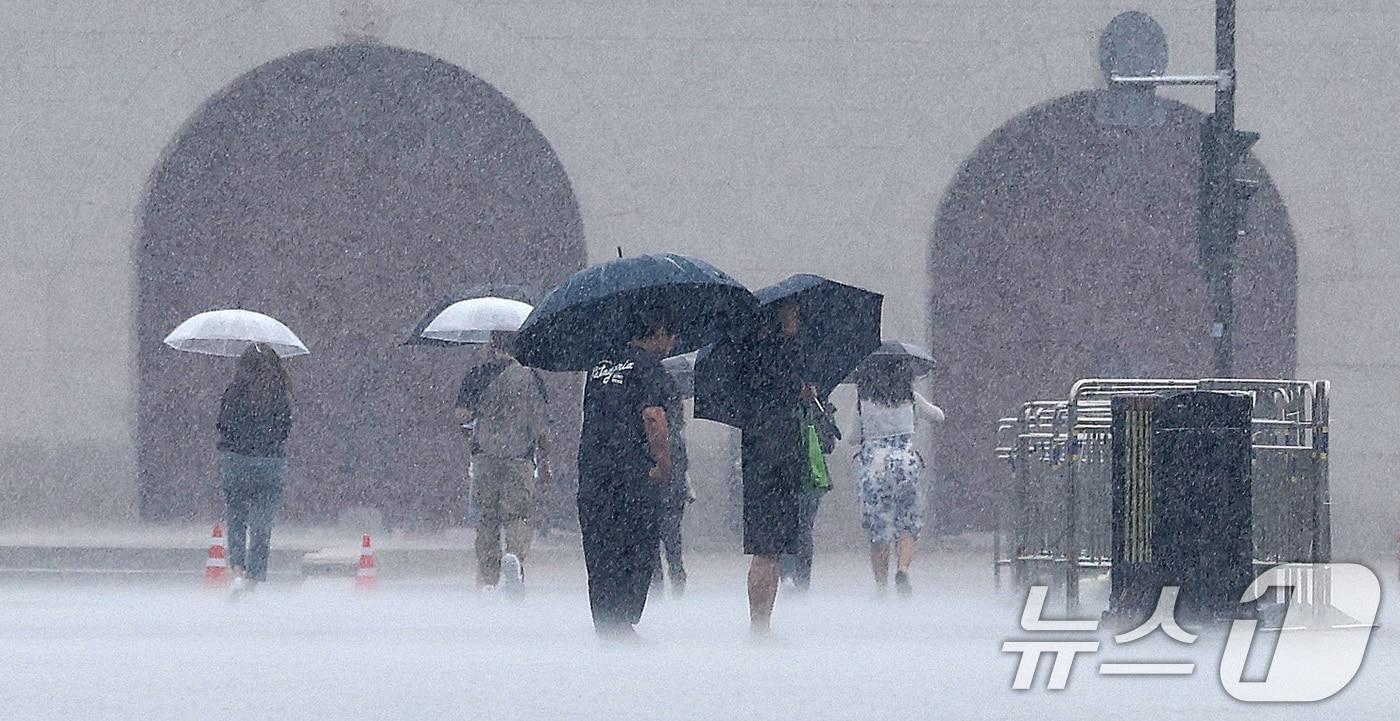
[[592, 314], [910, 358], [840, 327], [498, 290]]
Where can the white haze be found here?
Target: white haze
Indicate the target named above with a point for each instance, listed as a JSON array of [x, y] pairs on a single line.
[[419, 650]]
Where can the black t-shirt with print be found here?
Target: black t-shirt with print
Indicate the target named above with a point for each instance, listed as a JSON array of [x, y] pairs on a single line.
[[613, 445]]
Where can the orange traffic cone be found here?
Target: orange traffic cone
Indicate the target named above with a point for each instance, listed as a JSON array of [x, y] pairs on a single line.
[[365, 576], [216, 567]]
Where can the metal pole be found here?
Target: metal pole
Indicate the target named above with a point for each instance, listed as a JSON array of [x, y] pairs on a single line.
[[1161, 80], [1071, 512], [1222, 277], [1225, 62]]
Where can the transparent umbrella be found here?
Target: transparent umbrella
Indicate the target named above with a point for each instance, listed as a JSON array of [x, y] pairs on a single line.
[[506, 291], [473, 320], [230, 332]]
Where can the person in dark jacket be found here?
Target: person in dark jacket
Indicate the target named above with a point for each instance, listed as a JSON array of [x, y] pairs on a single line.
[[624, 461], [674, 497], [774, 459], [255, 417], [797, 568]]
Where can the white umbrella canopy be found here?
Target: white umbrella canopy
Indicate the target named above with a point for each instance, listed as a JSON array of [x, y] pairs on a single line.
[[230, 332], [474, 319]]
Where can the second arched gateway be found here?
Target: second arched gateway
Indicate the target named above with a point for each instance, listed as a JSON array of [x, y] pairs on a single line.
[[1066, 248]]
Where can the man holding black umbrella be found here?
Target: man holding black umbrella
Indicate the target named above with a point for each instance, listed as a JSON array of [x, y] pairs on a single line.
[[624, 463], [616, 321], [810, 333], [774, 460]]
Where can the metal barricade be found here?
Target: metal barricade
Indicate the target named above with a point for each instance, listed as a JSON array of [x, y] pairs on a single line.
[[1056, 509], [1035, 453]]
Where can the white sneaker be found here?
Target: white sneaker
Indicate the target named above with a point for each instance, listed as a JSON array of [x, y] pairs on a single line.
[[512, 575]]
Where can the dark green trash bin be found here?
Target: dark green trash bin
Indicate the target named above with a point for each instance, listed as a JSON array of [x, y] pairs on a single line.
[[1181, 504]]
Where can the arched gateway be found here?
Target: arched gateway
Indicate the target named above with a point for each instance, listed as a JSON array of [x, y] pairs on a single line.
[[342, 190]]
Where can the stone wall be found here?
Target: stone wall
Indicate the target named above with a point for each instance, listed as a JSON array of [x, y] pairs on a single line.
[[768, 137]]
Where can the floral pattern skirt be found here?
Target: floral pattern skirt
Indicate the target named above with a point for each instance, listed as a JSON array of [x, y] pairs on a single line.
[[891, 495]]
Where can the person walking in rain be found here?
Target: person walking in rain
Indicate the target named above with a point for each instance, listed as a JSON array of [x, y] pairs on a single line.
[[796, 568], [502, 409], [775, 462], [891, 492], [255, 418], [624, 462], [673, 498]]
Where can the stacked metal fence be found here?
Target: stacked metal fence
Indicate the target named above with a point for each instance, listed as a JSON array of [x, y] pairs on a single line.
[[1054, 513]]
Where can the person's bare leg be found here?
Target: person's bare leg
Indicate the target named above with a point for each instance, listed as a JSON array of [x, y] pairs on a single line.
[[763, 589], [880, 563], [904, 546], [907, 546]]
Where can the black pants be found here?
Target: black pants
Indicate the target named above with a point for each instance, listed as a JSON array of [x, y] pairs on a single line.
[[671, 515], [618, 520]]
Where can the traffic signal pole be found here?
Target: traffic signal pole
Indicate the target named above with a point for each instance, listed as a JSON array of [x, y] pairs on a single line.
[[1223, 196], [1225, 62], [1221, 203], [1221, 278]]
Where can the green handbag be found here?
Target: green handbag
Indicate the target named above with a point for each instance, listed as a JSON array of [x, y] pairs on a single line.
[[818, 476]]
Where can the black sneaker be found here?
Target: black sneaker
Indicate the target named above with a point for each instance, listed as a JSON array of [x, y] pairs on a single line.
[[616, 632], [901, 584]]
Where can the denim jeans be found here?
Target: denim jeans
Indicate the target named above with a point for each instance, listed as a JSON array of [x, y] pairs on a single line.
[[252, 487]]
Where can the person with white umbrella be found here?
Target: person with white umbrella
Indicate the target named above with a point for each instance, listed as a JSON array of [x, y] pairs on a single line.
[[507, 428], [501, 410], [255, 419]]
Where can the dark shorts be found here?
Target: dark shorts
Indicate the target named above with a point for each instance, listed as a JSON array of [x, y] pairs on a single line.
[[772, 508], [772, 522], [772, 496]]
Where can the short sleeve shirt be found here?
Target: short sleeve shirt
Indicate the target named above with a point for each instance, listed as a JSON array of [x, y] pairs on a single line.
[[510, 413], [613, 444]]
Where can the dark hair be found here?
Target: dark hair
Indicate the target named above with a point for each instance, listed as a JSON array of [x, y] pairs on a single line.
[[259, 379], [889, 384], [504, 340], [647, 322]]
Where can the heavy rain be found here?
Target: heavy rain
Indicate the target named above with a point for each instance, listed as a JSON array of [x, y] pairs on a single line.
[[697, 360]]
